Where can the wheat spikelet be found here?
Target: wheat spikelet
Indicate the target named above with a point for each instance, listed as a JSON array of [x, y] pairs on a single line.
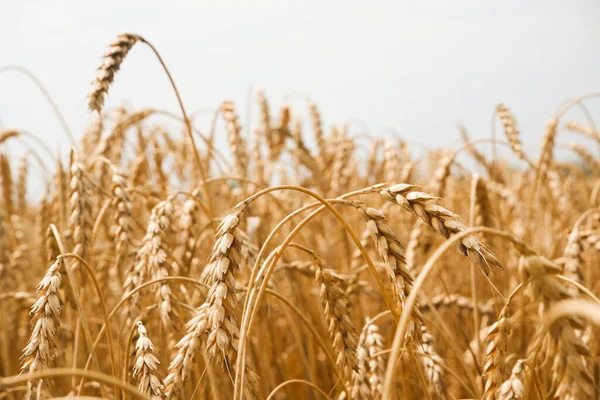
[[510, 130], [123, 219], [110, 66], [368, 379], [146, 365], [340, 170], [80, 219], [419, 237], [431, 363], [6, 184], [187, 222], [444, 222], [237, 143], [573, 260], [391, 251], [41, 350], [584, 130], [180, 368], [483, 206], [556, 189], [278, 134], [391, 162], [341, 329], [162, 178], [585, 155], [461, 303], [154, 260], [302, 153], [317, 127], [495, 354], [224, 261], [513, 388], [547, 155], [570, 375], [22, 185], [5, 274]]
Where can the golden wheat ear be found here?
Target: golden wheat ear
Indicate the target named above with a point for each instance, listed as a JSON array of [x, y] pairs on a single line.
[[111, 63]]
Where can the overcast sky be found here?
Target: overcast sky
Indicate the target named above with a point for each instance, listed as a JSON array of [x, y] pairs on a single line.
[[418, 66]]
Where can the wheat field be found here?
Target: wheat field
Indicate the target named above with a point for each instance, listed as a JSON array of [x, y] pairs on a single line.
[[298, 262]]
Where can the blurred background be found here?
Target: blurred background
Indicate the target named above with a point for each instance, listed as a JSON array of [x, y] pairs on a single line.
[[414, 69]]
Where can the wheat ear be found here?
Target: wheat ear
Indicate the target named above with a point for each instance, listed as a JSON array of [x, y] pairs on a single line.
[[111, 63]]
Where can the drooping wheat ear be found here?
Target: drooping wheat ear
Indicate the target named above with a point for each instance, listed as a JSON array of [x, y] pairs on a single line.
[[392, 252], [6, 185], [570, 375], [431, 364], [80, 218], [22, 185], [484, 212], [41, 350], [495, 354], [368, 378], [510, 130], [391, 162], [154, 260], [341, 329], [547, 155], [584, 130], [476, 154], [463, 304], [146, 365], [443, 221], [513, 388], [585, 155], [110, 66], [237, 143], [420, 240], [181, 366], [221, 301]]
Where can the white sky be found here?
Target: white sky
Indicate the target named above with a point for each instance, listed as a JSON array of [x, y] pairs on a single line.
[[418, 66]]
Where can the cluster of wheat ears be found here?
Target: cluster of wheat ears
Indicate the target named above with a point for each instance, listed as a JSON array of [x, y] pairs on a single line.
[[297, 263]]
